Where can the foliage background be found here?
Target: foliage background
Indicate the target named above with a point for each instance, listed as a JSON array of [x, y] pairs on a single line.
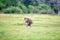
[[27, 6]]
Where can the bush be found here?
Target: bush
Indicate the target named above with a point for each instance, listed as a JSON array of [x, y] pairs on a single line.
[[24, 8], [12, 10], [1, 5], [43, 7], [43, 11], [36, 10], [55, 8], [50, 11], [31, 8]]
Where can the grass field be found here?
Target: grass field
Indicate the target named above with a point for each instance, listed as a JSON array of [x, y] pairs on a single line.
[[44, 27]]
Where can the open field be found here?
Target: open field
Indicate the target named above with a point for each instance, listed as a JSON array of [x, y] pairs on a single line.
[[44, 27]]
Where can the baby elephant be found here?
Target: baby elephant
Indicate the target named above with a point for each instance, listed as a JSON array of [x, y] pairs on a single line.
[[28, 21]]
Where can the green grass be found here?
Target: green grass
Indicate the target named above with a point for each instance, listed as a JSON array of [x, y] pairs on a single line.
[[44, 27]]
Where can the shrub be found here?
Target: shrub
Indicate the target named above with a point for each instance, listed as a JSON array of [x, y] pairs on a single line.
[[43, 7], [30, 8], [12, 10], [24, 8], [36, 10], [43, 11], [1, 5], [50, 11], [55, 8]]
